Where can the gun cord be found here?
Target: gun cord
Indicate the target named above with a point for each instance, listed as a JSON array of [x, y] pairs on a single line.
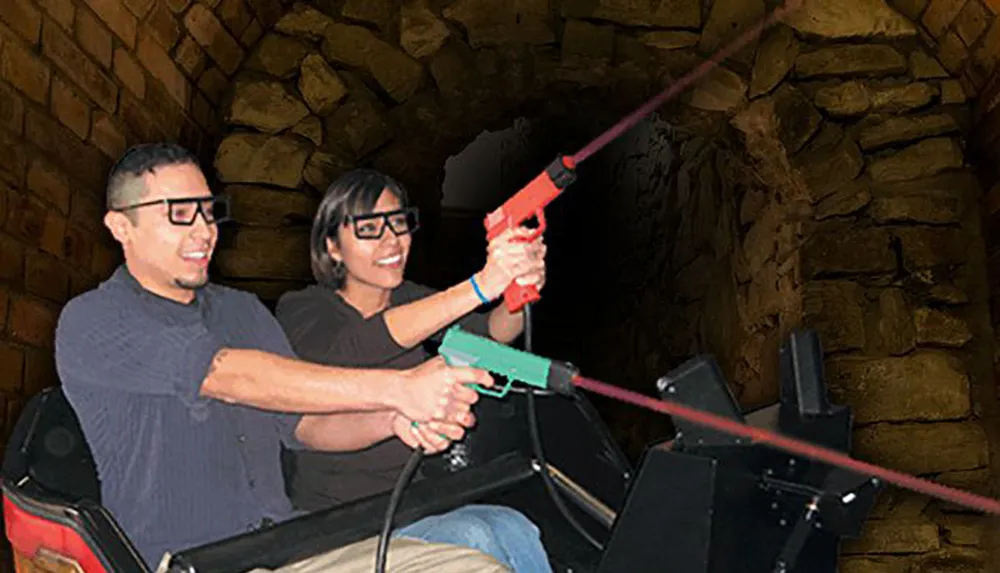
[[594, 146]]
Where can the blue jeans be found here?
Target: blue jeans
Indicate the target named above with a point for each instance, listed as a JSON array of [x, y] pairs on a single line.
[[501, 532]]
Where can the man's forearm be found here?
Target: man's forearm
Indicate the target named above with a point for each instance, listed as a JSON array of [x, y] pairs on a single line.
[[412, 323], [504, 326], [345, 432], [272, 382]]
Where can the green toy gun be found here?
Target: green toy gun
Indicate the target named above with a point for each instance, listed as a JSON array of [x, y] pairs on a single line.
[[461, 348]]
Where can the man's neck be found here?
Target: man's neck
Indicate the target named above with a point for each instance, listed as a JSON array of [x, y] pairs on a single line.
[[366, 299], [172, 293]]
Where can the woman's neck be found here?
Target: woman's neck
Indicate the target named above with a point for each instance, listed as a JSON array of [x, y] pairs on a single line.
[[366, 299]]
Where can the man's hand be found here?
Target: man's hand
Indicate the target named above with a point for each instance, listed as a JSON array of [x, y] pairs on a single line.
[[438, 392], [509, 257], [432, 437]]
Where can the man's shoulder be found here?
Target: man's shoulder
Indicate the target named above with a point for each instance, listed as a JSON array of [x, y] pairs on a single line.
[[231, 295]]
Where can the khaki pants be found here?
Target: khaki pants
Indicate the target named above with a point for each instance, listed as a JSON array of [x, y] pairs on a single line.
[[404, 556]]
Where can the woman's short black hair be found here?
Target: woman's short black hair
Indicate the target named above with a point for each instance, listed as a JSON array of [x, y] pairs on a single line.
[[353, 193]]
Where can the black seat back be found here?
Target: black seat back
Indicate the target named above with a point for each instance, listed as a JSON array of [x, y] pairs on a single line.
[[48, 446]]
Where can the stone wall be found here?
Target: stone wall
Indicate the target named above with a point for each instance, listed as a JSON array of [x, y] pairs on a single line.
[[79, 82], [820, 179]]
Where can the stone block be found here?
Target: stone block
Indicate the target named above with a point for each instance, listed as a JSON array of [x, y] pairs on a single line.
[[398, 74], [952, 92], [850, 19], [850, 60], [213, 84], [49, 183], [935, 385], [25, 71], [77, 66], [664, 40], [47, 277], [912, 9], [895, 536], [934, 200], [835, 310], [855, 98], [262, 159], [925, 67], [421, 32], [107, 135], [798, 120], [162, 67], [11, 367], [848, 199], [32, 321], [264, 253], [118, 18], [967, 530], [323, 167], [776, 56], [252, 34], [39, 372], [952, 560], [129, 73], [190, 57], [833, 250], [23, 18], [927, 247], [267, 106], [260, 206], [582, 39], [303, 21], [359, 125], [502, 22], [62, 12], [62, 145], [13, 159], [162, 26], [11, 110], [140, 7], [277, 55], [952, 53], [320, 86], [212, 36], [940, 14], [719, 90], [93, 37], [923, 448], [893, 324], [35, 224], [828, 162], [235, 15], [310, 128], [70, 108], [940, 328], [923, 159], [896, 130], [638, 13], [79, 247], [727, 19], [4, 304], [11, 259], [972, 21]]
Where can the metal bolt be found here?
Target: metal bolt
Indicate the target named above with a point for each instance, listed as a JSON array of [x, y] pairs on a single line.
[[782, 523]]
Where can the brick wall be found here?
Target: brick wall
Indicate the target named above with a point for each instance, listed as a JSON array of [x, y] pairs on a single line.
[[80, 80]]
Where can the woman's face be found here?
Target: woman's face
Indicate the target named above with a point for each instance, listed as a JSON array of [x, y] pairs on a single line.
[[369, 261]]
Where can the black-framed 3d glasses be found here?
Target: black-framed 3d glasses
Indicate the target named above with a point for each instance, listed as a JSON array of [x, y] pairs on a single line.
[[184, 211], [373, 225]]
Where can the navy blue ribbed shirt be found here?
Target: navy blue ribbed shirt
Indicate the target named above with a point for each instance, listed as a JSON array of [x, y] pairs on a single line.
[[177, 470]]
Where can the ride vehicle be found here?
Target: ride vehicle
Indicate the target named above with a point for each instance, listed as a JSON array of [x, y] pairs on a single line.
[[703, 501]]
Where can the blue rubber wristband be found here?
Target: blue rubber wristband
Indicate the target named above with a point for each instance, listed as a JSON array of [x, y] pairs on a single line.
[[479, 293]]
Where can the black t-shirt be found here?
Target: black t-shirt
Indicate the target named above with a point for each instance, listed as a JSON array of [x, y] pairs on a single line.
[[323, 328]]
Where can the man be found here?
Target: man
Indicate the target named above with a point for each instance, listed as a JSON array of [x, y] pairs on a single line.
[[186, 390]]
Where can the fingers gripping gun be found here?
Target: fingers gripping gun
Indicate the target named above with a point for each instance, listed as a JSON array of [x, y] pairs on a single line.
[[461, 348], [530, 202]]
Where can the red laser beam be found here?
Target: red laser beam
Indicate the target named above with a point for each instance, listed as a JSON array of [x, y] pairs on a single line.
[[805, 449], [687, 79]]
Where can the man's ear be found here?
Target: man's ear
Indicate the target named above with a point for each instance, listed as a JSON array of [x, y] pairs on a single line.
[[119, 225], [333, 249]]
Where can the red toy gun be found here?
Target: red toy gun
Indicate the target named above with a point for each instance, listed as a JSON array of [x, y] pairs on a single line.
[[530, 202]]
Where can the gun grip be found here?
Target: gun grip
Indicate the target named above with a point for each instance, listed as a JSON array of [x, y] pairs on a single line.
[[516, 296]]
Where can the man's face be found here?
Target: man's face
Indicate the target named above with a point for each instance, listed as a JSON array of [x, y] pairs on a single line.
[[168, 258]]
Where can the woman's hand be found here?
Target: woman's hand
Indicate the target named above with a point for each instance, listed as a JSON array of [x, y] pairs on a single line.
[[509, 258]]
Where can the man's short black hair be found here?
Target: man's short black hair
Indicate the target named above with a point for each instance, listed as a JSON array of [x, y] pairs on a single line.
[[125, 184]]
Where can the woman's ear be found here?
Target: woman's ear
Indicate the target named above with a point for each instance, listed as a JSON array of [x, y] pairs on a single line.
[[331, 247]]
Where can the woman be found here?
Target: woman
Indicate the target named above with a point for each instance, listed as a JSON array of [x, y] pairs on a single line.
[[363, 313]]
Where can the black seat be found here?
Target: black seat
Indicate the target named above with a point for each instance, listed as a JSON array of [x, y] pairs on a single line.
[[52, 495]]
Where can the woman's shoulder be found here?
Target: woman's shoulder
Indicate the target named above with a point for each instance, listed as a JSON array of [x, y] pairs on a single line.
[[306, 299], [409, 291]]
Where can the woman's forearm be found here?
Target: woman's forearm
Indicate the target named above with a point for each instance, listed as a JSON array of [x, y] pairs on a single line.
[[410, 324], [345, 432], [504, 325], [272, 382]]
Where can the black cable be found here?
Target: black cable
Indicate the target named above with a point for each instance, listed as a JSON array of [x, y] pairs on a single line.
[[536, 445], [390, 512]]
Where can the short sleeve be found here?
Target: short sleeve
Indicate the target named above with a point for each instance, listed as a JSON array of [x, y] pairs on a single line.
[[101, 343]]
